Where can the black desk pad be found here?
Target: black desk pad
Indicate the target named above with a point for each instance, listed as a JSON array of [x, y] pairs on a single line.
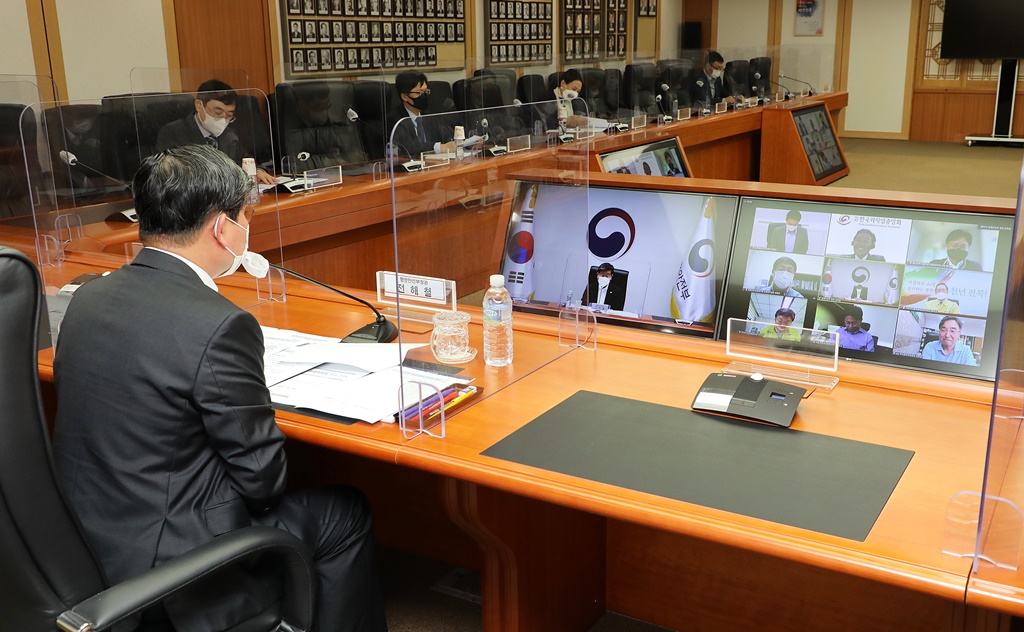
[[825, 484]]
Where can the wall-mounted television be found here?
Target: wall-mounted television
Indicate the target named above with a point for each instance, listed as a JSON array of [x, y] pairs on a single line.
[[663, 254], [661, 158], [819, 140], [906, 287]]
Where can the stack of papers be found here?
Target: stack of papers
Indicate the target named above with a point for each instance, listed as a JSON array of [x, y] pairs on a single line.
[[363, 381]]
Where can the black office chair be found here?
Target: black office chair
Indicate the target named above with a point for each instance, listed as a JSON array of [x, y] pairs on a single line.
[[593, 92], [531, 89], [613, 91], [638, 88], [377, 103], [508, 87], [759, 71], [130, 124], [251, 126], [736, 78], [306, 145], [15, 187], [676, 78], [49, 575]]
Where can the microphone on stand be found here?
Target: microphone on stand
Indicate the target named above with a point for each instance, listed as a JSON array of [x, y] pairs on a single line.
[[381, 330], [810, 88], [71, 160]]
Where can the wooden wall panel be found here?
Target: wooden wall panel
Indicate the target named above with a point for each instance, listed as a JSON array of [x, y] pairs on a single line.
[[949, 115], [227, 34]]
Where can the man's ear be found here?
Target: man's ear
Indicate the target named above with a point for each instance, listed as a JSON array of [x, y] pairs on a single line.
[[200, 108]]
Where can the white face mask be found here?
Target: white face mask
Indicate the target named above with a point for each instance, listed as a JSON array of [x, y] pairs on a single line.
[[603, 281], [783, 279], [255, 264], [214, 125], [790, 229], [941, 296], [570, 94], [238, 258], [715, 74]]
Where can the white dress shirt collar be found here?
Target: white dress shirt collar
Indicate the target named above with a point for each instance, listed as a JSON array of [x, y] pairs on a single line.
[[203, 275]]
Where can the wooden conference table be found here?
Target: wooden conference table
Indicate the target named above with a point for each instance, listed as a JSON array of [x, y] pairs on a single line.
[[555, 551]]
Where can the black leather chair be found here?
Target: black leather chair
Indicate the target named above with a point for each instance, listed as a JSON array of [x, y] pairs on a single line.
[[638, 88], [736, 78], [75, 128], [613, 91], [129, 125], [303, 145], [508, 87], [14, 179], [676, 79], [252, 129], [759, 71], [531, 89], [593, 92], [378, 104], [49, 576]]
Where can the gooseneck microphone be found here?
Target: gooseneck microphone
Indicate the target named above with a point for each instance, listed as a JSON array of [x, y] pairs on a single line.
[[381, 330], [71, 160], [810, 88]]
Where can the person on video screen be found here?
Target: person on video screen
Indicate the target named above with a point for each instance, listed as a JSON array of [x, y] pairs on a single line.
[[863, 242], [851, 336], [781, 330], [940, 302], [958, 246], [789, 237], [602, 291], [948, 348], [781, 281]]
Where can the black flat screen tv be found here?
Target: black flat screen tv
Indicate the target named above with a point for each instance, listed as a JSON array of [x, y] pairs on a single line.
[[927, 286], [661, 158], [665, 254], [982, 29], [819, 140]]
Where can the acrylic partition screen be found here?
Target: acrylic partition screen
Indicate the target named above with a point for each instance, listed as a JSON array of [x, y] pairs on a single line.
[[80, 218], [145, 80], [915, 288], [999, 526], [453, 207]]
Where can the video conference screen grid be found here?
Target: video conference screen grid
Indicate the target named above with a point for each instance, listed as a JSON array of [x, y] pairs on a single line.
[[905, 287], [819, 141], [647, 259], [662, 158]]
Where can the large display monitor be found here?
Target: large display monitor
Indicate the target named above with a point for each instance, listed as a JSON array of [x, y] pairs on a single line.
[[661, 158], [907, 287], [664, 254]]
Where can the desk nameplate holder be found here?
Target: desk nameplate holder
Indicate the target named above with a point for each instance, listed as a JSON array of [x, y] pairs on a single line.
[[639, 121], [577, 326], [784, 353], [417, 297]]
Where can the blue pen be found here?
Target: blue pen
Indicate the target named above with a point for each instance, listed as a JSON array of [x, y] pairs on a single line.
[[413, 409]]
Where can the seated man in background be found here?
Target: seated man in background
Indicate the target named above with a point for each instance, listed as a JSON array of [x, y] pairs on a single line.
[[165, 436], [863, 242], [313, 138], [948, 348], [852, 336], [782, 278], [958, 246], [601, 291], [707, 87], [209, 124], [418, 134]]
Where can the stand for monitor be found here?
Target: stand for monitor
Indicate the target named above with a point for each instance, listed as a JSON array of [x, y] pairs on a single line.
[[1006, 94]]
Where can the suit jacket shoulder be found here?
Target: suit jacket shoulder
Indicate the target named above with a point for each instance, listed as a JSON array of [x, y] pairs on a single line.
[[185, 131]]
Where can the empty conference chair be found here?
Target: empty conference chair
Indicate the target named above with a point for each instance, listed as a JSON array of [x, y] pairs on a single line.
[[638, 88], [49, 572], [377, 103], [594, 92], [532, 88], [613, 91], [736, 77], [75, 129], [674, 86], [130, 124], [507, 88], [759, 71], [317, 125], [14, 179]]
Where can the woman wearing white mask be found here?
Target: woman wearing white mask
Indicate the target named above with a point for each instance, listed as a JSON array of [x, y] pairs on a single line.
[[707, 87], [569, 86]]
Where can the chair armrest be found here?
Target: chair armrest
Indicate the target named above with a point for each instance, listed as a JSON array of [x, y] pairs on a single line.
[[131, 596]]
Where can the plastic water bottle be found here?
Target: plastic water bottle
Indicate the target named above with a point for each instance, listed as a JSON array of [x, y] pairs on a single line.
[[497, 323]]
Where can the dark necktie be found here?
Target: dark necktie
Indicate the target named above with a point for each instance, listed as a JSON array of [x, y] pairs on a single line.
[[420, 134], [212, 141]]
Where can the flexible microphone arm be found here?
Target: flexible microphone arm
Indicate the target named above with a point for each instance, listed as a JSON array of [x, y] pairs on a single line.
[[383, 330], [71, 160], [810, 88]]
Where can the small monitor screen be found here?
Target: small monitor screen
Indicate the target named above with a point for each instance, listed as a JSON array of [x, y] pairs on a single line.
[[648, 259], [906, 287], [662, 158], [819, 141]]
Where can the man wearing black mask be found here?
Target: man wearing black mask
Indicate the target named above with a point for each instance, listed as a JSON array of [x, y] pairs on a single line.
[[417, 133], [958, 244]]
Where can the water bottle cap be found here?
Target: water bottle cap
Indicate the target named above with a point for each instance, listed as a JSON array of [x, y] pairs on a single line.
[[497, 280]]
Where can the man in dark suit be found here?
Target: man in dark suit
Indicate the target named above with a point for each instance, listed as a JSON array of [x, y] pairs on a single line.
[[863, 242], [707, 86], [418, 133], [165, 436], [209, 124], [958, 245], [789, 237], [603, 288]]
